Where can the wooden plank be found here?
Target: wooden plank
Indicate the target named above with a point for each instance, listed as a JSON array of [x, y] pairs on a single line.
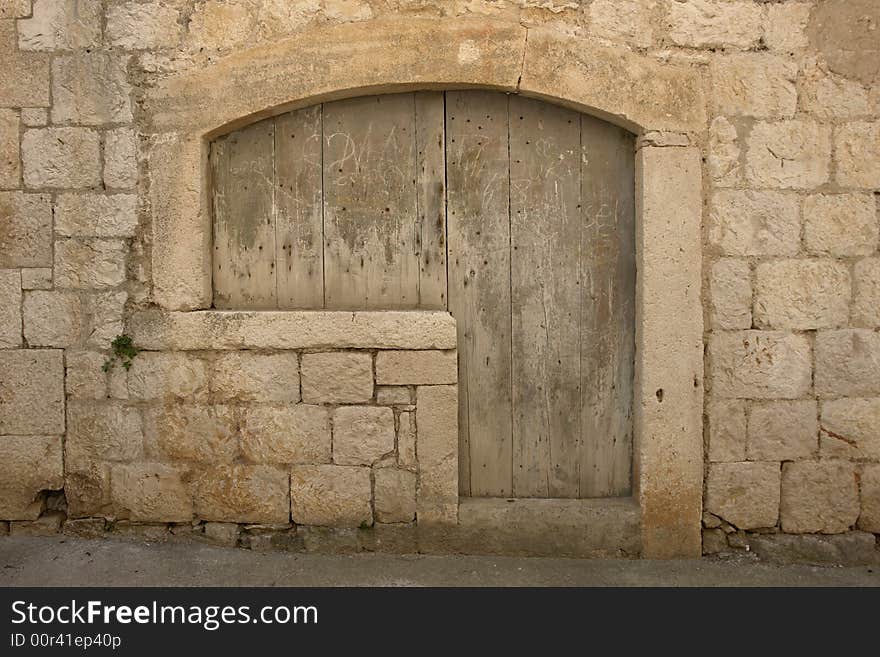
[[478, 227], [244, 231], [545, 181], [370, 253], [431, 197], [299, 209], [607, 308]]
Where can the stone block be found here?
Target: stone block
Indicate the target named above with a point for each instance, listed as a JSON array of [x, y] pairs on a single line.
[[167, 376], [101, 432], [89, 263], [783, 431], [337, 378], [700, 23], [744, 494], [731, 289], [25, 230], [53, 319], [723, 158], [120, 158], [331, 495], [105, 320], [61, 157], [24, 77], [34, 117], [90, 88], [754, 84], [416, 367], [792, 154], [362, 434], [785, 27], [847, 363], [242, 493], [85, 377], [10, 166], [830, 97], [852, 548], [141, 26], [297, 434], [857, 152], [841, 224], [437, 447], [222, 533], [14, 8], [48, 524], [393, 396], [257, 377], [150, 492], [819, 497], [851, 429], [406, 441], [216, 25], [727, 430], [61, 25], [10, 309], [31, 392], [96, 215], [395, 498], [755, 223], [869, 485], [36, 278], [185, 432], [760, 364], [866, 293], [28, 465], [628, 21], [802, 294]]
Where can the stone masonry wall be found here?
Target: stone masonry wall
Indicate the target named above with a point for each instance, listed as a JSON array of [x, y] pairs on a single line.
[[791, 157]]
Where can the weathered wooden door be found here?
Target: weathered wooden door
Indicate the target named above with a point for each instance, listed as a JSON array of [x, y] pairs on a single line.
[[515, 214]]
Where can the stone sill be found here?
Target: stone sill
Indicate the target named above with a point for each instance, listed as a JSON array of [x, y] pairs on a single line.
[[295, 329]]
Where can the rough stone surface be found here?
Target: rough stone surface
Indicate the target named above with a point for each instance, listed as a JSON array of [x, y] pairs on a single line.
[[802, 294], [785, 28], [286, 434], [866, 293], [191, 433], [819, 497], [25, 230], [847, 363], [36, 278], [857, 152], [85, 378], [167, 376], [14, 8], [31, 392], [437, 448], [723, 158], [331, 495], [406, 441], [90, 88], [10, 165], [61, 25], [792, 154], [393, 395], [150, 492], [257, 377], [714, 22], [623, 20], [61, 157], [337, 378], [851, 548], [24, 78], [844, 33], [28, 465], [101, 432], [851, 429], [96, 215], [395, 495], [242, 493], [731, 294], [755, 223], [744, 494], [53, 319], [757, 85], [760, 364], [89, 263], [34, 117], [10, 309], [416, 367], [120, 158], [138, 26], [869, 485], [362, 434], [783, 431], [841, 224], [727, 430]]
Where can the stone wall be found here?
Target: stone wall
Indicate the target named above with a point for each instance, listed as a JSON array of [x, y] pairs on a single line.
[[791, 271]]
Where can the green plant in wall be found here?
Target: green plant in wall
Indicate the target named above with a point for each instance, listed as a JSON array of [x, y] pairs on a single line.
[[123, 351]]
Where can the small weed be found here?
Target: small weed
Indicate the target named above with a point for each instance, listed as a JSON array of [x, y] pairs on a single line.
[[365, 524], [123, 351]]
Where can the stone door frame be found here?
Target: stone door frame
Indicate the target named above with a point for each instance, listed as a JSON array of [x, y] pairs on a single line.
[[662, 103]]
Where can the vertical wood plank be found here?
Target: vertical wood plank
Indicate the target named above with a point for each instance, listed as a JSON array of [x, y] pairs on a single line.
[[244, 229], [431, 197], [299, 209], [478, 226], [607, 308], [370, 256], [545, 288]]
